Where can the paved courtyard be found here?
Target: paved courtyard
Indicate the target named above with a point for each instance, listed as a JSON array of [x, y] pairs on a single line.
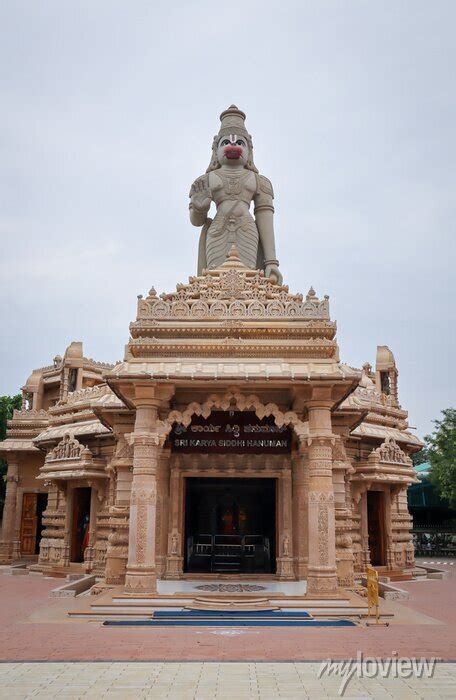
[[214, 662], [208, 680]]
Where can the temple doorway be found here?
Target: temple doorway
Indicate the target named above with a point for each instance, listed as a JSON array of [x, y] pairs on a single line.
[[80, 523], [376, 527], [230, 525], [33, 506]]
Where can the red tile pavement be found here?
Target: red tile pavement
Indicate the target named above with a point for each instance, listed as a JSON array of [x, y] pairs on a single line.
[[24, 599]]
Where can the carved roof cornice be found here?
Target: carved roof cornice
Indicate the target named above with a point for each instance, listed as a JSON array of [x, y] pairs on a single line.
[[243, 329], [233, 346], [87, 428]]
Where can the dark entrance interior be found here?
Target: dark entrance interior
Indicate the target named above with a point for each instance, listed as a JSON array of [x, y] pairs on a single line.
[[230, 525], [80, 523], [376, 527], [33, 506]]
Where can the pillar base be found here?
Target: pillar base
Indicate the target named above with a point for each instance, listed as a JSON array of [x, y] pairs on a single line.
[[9, 552], [285, 568], [140, 582], [174, 567], [322, 584]]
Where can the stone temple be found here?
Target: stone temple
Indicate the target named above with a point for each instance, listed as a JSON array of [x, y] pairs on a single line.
[[230, 444]]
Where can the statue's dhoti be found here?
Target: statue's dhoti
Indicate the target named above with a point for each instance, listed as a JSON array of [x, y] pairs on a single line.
[[226, 230]]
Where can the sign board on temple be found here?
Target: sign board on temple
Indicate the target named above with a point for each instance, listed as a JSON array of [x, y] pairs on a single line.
[[231, 432]]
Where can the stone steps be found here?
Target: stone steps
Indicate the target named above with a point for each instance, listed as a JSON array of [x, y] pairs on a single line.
[[117, 607]]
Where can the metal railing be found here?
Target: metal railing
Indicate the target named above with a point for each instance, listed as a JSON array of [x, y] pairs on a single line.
[[230, 550]]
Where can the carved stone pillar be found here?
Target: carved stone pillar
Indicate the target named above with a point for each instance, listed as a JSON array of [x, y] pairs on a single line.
[[285, 553], [9, 546], [364, 531], [141, 568], [89, 553], [162, 511], [119, 512], [322, 573], [175, 559], [300, 478]]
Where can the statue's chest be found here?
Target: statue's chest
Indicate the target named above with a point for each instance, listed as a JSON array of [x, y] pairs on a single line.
[[233, 187]]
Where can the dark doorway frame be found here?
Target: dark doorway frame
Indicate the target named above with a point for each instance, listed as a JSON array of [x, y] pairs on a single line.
[[376, 526], [80, 522], [230, 525]]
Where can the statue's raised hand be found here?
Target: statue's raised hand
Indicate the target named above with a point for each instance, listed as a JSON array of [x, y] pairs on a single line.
[[201, 194]]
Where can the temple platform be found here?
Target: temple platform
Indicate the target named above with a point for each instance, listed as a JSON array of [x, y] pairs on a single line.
[[176, 596]]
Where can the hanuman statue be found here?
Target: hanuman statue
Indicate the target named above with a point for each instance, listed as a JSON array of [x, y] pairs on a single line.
[[232, 181]]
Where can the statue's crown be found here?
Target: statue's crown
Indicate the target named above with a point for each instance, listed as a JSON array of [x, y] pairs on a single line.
[[232, 122]]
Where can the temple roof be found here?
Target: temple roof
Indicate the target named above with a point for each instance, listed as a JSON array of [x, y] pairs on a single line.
[[86, 428]]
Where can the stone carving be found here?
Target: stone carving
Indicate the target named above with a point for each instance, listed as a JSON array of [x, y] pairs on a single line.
[[141, 533], [174, 543], [323, 523], [286, 546], [88, 394], [232, 292], [68, 448], [231, 587], [30, 413], [232, 181], [234, 399], [391, 453]]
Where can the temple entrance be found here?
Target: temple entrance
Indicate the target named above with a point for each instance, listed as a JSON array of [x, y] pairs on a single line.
[[80, 523], [33, 506], [230, 525], [376, 527]]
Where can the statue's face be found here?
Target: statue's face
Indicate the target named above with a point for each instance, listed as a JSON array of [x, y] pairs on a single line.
[[232, 150]]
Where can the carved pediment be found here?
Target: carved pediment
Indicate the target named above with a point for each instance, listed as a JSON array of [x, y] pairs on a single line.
[[389, 452], [71, 460], [68, 448]]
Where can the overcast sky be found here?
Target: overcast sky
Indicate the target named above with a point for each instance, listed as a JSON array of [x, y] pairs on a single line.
[[108, 110]]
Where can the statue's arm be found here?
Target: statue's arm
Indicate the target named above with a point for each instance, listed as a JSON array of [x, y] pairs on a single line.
[[200, 200], [264, 217]]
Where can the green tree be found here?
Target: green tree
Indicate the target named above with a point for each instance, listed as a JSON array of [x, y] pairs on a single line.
[[420, 457], [7, 405], [441, 445]]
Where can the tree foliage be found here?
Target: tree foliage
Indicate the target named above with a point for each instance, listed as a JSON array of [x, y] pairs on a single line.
[[7, 405], [441, 445], [420, 457]]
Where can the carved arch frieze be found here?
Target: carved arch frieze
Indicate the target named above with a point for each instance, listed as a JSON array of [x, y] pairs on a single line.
[[234, 399]]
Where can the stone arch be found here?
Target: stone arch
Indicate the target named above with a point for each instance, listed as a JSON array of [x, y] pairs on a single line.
[[234, 398]]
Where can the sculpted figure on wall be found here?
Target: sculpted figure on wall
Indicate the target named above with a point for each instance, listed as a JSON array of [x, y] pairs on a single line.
[[232, 182]]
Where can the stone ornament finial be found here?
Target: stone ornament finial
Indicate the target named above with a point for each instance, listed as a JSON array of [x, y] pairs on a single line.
[[232, 182]]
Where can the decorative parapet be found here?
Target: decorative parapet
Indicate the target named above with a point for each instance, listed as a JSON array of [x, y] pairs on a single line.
[[88, 394], [231, 292], [30, 413], [71, 460]]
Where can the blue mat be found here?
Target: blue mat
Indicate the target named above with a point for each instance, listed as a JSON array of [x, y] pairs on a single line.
[[229, 622]]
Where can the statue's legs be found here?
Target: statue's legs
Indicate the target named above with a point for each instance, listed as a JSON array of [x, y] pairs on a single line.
[[228, 230]]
